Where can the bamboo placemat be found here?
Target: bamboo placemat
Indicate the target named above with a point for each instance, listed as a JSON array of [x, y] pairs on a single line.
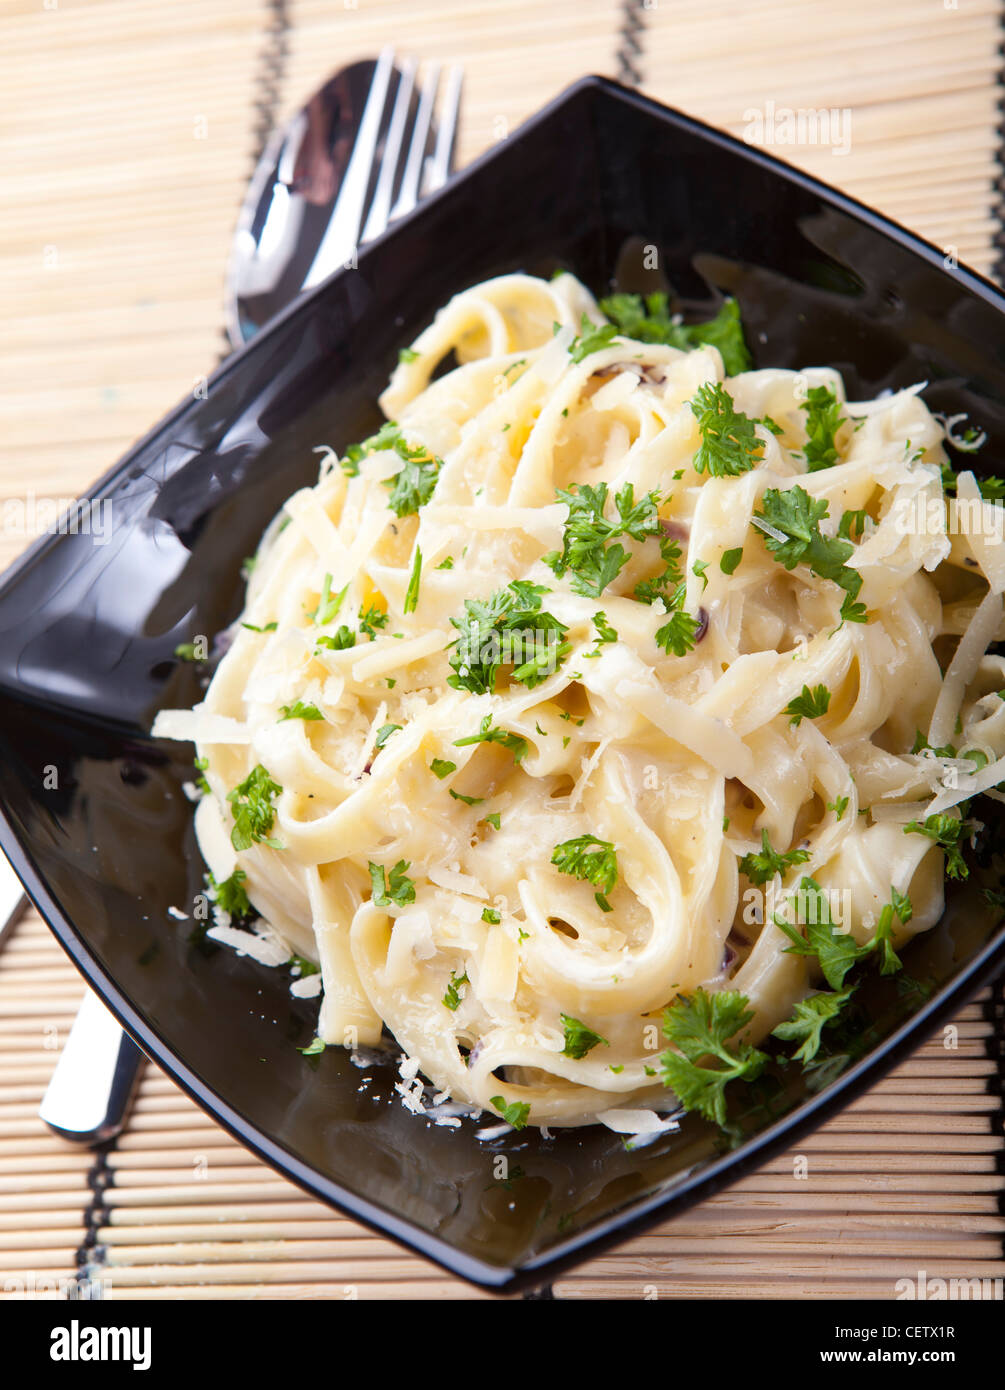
[[127, 131]]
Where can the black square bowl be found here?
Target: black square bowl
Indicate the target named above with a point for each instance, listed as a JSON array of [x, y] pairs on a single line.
[[94, 817]]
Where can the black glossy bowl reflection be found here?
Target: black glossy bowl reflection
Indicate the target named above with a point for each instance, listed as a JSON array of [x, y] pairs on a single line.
[[87, 633]]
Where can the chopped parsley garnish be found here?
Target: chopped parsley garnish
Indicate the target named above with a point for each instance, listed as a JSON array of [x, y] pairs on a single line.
[[809, 704], [791, 524], [510, 624], [453, 996], [253, 627], [442, 768], [591, 859], [679, 634], [188, 651], [446, 564], [413, 486], [836, 951], [991, 489], [579, 1040], [838, 807], [761, 866], [810, 1018], [823, 420], [412, 592], [701, 1026], [251, 803], [372, 618], [729, 559], [408, 355], [493, 820], [384, 733], [592, 338], [605, 634], [229, 894], [300, 709], [329, 603], [853, 522], [489, 733], [948, 833], [648, 320], [899, 906], [313, 1048], [515, 1113], [699, 567], [395, 887], [921, 745], [490, 915], [468, 800], [201, 766], [649, 590], [729, 444], [343, 639], [587, 555]]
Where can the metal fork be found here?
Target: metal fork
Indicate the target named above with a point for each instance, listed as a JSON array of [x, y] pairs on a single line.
[[422, 173]]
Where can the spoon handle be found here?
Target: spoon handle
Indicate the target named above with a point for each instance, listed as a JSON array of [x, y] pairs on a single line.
[[88, 1097]]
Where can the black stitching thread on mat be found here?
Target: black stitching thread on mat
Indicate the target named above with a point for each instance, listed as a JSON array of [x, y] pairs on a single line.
[[998, 200], [629, 52], [267, 99], [271, 71], [90, 1255]]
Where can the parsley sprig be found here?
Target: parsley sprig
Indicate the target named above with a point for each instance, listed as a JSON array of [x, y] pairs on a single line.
[[823, 420], [791, 524], [300, 709], [588, 555], [592, 338], [513, 614], [811, 1016], [394, 887], [762, 865], [591, 859], [729, 443], [948, 833], [837, 952], [254, 814], [490, 733], [413, 486], [647, 319], [515, 1113], [455, 991], [230, 894], [701, 1026], [808, 704], [579, 1040], [680, 633]]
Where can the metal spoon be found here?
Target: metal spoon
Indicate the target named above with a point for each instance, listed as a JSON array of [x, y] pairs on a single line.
[[359, 155]]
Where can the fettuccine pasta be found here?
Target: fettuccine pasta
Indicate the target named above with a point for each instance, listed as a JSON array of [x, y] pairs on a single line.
[[530, 727]]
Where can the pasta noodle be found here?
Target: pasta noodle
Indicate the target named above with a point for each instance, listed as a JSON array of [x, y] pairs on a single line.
[[514, 861]]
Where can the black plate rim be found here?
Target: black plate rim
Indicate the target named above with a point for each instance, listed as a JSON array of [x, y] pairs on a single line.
[[713, 1176]]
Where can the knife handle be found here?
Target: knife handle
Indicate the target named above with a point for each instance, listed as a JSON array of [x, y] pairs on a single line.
[[88, 1098]]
